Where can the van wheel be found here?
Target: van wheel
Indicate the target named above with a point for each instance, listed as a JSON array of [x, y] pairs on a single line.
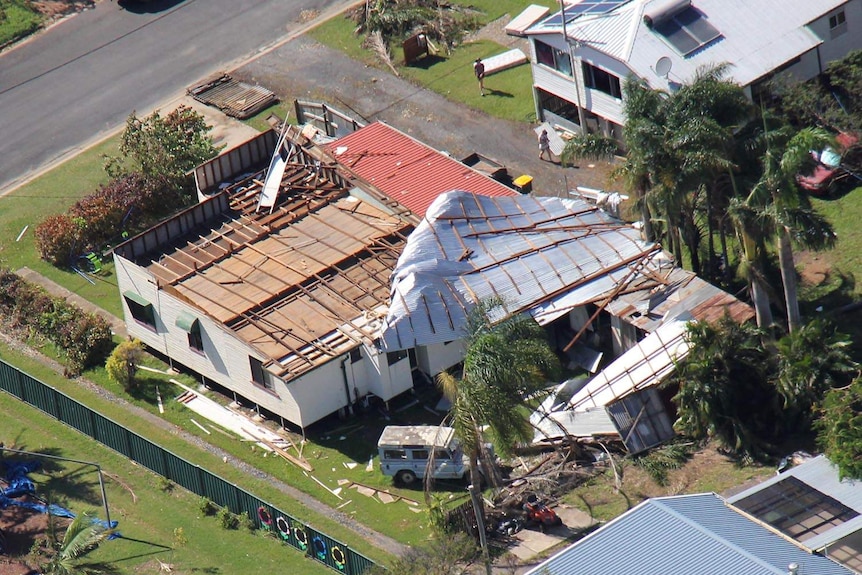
[[406, 477]]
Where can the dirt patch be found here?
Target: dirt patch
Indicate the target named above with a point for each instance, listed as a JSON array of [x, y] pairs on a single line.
[[813, 267], [55, 9], [24, 536]]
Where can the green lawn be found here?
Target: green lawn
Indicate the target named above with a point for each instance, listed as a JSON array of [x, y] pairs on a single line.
[[509, 92], [18, 20], [845, 213], [148, 510]]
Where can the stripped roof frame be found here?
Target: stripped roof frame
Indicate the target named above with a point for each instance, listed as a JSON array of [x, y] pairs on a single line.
[[302, 282]]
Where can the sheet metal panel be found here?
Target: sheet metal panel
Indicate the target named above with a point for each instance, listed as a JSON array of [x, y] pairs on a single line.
[[543, 255], [689, 534]]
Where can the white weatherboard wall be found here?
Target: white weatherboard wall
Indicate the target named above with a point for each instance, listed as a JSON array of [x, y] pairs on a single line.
[[225, 360], [433, 359], [836, 48]]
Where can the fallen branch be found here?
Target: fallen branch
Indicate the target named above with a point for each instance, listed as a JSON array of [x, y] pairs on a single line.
[[123, 484]]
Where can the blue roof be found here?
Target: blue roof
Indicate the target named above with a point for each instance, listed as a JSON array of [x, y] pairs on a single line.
[[685, 535]]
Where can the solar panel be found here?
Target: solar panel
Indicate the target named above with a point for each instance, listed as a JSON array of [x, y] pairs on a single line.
[[592, 7], [687, 31]]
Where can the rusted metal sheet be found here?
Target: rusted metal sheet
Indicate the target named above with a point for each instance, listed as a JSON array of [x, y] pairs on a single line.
[[236, 99]]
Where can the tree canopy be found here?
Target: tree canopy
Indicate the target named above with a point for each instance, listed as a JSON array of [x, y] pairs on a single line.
[[840, 429]]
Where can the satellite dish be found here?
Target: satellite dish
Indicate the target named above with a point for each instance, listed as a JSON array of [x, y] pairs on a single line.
[[663, 66]]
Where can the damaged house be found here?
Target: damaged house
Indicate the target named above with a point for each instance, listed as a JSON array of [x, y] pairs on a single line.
[[600, 291], [274, 285], [344, 272]]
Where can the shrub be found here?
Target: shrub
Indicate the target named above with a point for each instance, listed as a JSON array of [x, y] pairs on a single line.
[[59, 238], [206, 506], [227, 519], [123, 363], [84, 338]]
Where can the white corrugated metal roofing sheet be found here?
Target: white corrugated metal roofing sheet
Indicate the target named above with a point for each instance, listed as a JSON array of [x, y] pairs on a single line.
[[684, 535], [540, 255], [644, 365], [756, 37]]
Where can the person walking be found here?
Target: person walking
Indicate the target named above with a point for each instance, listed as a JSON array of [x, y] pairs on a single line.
[[544, 146], [479, 70]]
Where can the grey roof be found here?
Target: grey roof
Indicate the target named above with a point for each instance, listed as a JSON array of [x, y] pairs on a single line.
[[819, 473], [756, 37], [538, 255], [684, 535]]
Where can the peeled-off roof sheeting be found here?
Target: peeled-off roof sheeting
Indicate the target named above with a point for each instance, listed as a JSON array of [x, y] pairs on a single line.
[[644, 365], [407, 170], [528, 252]]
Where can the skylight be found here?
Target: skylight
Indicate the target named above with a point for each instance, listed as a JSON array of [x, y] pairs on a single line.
[[584, 7], [687, 30]]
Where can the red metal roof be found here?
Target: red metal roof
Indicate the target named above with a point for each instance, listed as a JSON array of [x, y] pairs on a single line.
[[407, 170]]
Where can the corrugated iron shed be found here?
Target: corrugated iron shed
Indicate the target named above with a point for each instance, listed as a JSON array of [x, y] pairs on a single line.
[[408, 171], [684, 535]]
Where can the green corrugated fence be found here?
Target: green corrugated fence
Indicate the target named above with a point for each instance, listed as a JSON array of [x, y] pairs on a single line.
[[288, 529]]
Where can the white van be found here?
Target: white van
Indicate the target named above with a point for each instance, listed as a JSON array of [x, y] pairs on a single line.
[[405, 452]]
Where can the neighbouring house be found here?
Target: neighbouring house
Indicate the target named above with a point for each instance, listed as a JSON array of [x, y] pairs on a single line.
[[812, 506], [686, 535], [582, 54], [600, 291]]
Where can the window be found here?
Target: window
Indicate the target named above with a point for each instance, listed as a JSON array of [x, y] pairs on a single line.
[[420, 454], [837, 24], [394, 357], [441, 454], [190, 324], [259, 375], [686, 31], [836, 20], [796, 509], [557, 106], [598, 79], [553, 58], [196, 340], [394, 454], [355, 355], [141, 309]]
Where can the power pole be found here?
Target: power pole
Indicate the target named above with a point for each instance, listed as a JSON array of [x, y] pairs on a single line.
[[478, 513]]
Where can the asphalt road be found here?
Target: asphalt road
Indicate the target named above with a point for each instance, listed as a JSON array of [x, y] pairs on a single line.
[[79, 80]]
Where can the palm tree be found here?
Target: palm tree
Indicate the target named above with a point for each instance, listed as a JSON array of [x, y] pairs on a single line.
[[723, 389], [82, 536], [811, 361], [504, 362], [784, 209]]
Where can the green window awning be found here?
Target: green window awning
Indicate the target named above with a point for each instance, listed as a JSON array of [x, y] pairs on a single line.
[[186, 322], [132, 296]]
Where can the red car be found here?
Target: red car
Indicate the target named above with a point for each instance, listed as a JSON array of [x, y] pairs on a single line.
[[828, 166]]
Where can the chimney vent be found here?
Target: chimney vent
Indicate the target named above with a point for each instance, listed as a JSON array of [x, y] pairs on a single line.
[[793, 569]]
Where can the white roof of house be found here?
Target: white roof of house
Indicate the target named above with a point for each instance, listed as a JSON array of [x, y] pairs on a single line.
[[755, 37], [537, 255]]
